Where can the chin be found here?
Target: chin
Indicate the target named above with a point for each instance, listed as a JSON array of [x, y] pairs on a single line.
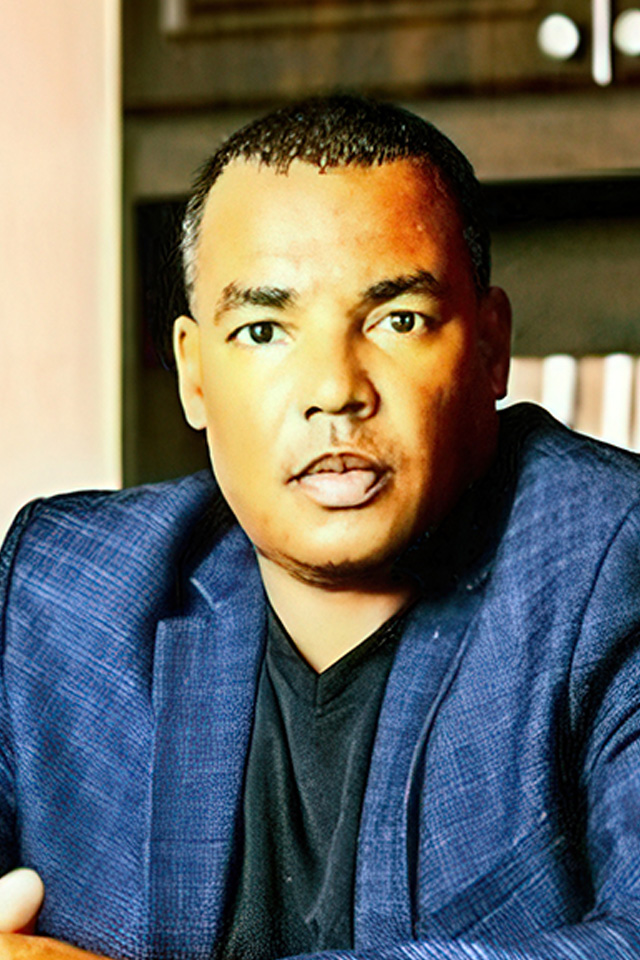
[[340, 573], [349, 574]]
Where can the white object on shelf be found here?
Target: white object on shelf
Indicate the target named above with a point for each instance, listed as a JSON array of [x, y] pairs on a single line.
[[559, 379], [558, 37], [617, 394], [601, 68], [626, 33]]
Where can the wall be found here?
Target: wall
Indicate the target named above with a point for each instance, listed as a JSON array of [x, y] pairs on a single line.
[[59, 248]]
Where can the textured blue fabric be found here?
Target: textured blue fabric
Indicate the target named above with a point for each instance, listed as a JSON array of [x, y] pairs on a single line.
[[502, 814]]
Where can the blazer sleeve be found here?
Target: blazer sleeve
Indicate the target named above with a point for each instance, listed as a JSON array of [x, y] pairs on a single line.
[[9, 856], [604, 717]]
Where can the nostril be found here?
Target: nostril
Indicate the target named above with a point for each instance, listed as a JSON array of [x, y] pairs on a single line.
[[354, 406], [351, 408]]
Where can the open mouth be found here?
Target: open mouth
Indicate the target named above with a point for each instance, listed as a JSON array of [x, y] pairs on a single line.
[[340, 480]]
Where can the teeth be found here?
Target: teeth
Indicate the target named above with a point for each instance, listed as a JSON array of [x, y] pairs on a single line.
[[355, 463], [340, 464], [329, 465]]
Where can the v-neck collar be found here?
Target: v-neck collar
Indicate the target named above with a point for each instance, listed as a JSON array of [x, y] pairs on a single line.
[[316, 688]]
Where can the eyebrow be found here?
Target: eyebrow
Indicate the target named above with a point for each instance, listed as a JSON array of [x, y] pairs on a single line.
[[234, 296], [422, 281]]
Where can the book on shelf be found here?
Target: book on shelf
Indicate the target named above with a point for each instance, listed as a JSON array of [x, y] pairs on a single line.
[[597, 395]]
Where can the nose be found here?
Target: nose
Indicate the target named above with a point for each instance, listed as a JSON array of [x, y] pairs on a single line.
[[337, 383]]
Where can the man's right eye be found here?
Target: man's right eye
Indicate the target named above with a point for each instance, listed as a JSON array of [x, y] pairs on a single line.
[[259, 333]]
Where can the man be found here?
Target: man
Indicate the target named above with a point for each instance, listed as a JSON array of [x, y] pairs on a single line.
[[387, 704]]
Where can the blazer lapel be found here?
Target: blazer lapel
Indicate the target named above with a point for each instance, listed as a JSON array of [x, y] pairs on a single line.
[[205, 672], [426, 663], [453, 565]]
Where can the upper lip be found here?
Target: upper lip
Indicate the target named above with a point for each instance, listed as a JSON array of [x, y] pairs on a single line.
[[339, 461]]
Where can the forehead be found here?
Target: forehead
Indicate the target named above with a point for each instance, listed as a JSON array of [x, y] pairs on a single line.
[[343, 221]]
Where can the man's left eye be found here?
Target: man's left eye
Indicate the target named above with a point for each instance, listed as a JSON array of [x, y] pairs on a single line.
[[403, 321]]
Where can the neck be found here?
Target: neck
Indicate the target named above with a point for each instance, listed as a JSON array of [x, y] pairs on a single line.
[[326, 624]]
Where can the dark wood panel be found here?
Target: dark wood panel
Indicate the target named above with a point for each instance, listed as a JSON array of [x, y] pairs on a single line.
[[193, 18], [201, 53]]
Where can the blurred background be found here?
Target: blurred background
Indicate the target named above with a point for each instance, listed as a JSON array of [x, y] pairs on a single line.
[[106, 109]]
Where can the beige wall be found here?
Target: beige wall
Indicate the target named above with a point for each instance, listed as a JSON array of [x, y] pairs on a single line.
[[59, 248]]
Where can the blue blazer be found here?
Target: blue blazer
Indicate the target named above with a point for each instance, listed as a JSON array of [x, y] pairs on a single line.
[[502, 812]]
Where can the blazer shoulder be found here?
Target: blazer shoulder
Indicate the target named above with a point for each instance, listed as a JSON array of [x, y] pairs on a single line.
[[570, 500], [566, 468], [156, 510], [88, 546]]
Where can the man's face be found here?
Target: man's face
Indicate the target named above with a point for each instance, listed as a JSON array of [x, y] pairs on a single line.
[[341, 361]]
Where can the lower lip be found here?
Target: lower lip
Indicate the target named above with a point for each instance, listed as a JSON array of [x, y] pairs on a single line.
[[353, 488]]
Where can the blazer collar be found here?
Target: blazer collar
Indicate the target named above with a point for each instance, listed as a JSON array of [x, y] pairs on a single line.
[[427, 660], [204, 682]]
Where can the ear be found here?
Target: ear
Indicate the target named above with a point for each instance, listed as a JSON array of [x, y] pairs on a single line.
[[186, 349], [495, 338]]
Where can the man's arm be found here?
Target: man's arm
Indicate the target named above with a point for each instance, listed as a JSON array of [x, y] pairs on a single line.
[[8, 852], [21, 890]]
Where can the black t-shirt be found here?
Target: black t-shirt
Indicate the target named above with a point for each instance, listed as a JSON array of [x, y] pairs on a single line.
[[305, 781]]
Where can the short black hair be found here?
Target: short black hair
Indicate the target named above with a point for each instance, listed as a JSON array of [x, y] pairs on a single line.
[[338, 131]]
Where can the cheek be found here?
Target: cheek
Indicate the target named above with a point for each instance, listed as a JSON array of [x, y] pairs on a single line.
[[229, 412], [432, 397], [229, 432], [235, 460], [437, 417], [242, 440]]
